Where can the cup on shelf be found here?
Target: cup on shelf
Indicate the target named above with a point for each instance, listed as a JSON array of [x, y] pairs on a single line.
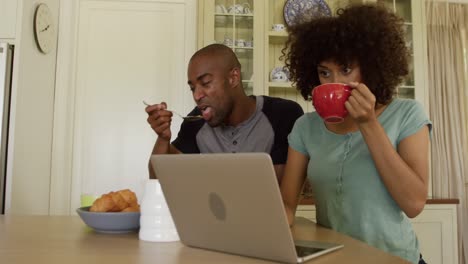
[[249, 43], [240, 9], [236, 9], [240, 43], [278, 27], [227, 41], [220, 9], [247, 10]]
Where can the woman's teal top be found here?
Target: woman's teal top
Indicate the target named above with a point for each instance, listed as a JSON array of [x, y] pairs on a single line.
[[349, 194]]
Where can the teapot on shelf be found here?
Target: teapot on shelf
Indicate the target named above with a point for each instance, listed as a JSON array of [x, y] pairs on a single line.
[[239, 9], [220, 9]]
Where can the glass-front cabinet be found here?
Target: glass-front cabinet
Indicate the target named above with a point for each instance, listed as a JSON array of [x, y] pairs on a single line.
[[236, 23], [256, 31], [403, 9], [414, 86], [275, 76]]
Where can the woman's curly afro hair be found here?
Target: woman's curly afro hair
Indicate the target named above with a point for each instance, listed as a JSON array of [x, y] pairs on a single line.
[[369, 35]]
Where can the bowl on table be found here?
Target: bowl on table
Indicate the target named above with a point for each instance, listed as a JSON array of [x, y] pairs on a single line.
[[110, 222]]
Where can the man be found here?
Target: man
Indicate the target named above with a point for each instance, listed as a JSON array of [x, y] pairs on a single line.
[[232, 121]]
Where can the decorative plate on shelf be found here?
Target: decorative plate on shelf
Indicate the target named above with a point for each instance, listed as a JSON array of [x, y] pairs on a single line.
[[279, 74], [300, 11]]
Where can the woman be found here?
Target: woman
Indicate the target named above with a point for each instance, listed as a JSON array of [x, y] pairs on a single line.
[[369, 173]]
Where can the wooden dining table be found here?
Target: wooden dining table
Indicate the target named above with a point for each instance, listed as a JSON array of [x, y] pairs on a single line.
[[66, 239]]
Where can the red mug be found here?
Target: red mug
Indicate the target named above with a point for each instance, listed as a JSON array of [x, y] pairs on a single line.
[[329, 101]]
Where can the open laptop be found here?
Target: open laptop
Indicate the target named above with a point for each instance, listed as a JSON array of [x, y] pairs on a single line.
[[231, 203]]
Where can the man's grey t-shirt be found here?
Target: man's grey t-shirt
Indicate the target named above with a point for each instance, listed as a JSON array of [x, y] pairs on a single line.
[[265, 131]]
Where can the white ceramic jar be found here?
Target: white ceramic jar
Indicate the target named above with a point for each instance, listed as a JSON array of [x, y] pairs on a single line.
[[156, 224]]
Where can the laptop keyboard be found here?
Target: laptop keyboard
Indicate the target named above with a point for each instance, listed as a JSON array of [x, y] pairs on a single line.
[[306, 251]]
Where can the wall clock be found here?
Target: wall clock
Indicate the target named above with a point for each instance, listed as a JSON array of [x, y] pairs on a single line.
[[44, 28]]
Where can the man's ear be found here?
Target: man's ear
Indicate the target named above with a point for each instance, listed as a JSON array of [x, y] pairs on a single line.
[[235, 76]]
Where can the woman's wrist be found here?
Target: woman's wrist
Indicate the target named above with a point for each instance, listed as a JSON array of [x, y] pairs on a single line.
[[369, 126]]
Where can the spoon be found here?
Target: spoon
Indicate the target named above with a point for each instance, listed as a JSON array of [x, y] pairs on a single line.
[[188, 118]]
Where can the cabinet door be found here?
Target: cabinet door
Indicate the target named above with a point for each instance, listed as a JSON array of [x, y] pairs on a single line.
[[127, 52], [307, 211], [237, 24], [436, 228], [276, 38], [414, 85], [7, 19]]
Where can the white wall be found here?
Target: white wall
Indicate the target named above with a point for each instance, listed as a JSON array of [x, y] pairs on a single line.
[[31, 117], [7, 19], [40, 150]]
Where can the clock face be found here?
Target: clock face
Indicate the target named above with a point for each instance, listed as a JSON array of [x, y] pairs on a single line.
[[44, 28]]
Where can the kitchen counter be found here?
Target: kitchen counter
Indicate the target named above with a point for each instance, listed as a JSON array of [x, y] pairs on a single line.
[[310, 201], [435, 226], [66, 239]]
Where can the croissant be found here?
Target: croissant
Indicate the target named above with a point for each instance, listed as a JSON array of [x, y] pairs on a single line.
[[120, 201], [102, 204], [129, 197], [134, 208]]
